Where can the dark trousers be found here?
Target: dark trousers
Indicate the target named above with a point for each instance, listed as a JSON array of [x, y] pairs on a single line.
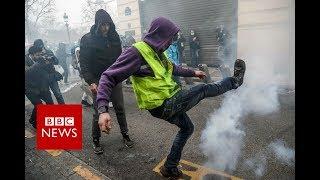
[[65, 73], [194, 57], [181, 57], [54, 86], [35, 99], [177, 80], [117, 101], [174, 111]]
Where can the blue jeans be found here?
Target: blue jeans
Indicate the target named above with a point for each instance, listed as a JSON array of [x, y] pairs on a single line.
[[54, 86], [174, 111], [177, 80]]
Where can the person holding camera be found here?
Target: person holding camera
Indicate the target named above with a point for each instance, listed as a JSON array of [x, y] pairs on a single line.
[[54, 76], [37, 81]]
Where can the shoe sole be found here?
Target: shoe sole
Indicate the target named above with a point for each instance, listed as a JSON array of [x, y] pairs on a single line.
[[243, 63], [98, 152], [128, 146], [168, 176]]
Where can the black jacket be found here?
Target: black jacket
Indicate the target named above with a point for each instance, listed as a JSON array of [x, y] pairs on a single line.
[[37, 77], [98, 53], [28, 62], [194, 45]]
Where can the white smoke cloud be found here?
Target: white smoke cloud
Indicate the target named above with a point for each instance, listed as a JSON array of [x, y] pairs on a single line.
[[269, 58], [283, 153], [258, 164], [222, 138]]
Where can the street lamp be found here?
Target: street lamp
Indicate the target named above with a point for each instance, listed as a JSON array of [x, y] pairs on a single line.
[[65, 18]]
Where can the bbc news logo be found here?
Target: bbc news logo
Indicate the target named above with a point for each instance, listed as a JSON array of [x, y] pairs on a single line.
[[59, 127]]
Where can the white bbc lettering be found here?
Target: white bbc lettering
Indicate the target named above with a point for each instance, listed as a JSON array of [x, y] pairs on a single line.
[[59, 121], [49, 121], [69, 121]]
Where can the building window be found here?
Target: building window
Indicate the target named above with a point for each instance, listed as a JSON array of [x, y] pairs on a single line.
[[127, 11], [129, 25], [132, 33]]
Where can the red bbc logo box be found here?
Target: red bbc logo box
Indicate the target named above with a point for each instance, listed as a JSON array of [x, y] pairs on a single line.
[[59, 127]]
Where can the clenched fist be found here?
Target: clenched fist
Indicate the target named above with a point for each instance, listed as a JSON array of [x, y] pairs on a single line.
[[93, 87], [200, 74], [105, 122]]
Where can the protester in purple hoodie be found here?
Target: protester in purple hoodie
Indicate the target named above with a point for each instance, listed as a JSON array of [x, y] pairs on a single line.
[[151, 74]]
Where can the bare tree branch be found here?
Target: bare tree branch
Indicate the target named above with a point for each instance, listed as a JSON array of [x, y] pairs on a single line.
[[36, 10], [91, 7], [46, 8]]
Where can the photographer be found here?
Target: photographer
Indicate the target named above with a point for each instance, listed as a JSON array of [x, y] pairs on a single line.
[[54, 76], [37, 81]]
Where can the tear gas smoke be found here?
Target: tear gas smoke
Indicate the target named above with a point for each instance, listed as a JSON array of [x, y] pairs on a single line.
[[222, 138], [269, 67], [283, 153], [257, 164]]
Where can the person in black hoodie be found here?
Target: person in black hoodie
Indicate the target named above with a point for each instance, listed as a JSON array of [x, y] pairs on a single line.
[[99, 49], [37, 81]]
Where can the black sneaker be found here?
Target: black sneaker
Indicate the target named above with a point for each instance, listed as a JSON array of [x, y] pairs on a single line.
[[127, 141], [96, 147], [85, 103], [172, 173], [239, 70]]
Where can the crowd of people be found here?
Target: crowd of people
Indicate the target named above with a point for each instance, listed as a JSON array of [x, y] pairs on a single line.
[[104, 60]]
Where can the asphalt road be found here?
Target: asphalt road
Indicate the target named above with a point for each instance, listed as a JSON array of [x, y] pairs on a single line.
[[153, 138]]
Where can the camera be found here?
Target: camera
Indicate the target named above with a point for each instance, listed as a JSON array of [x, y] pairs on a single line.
[[47, 56]]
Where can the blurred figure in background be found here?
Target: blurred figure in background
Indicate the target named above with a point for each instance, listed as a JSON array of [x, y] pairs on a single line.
[[224, 51], [62, 56], [129, 41], [87, 97], [173, 56], [181, 46], [73, 57], [54, 76], [194, 48]]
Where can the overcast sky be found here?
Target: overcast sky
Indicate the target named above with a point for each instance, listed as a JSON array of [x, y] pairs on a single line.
[[73, 9]]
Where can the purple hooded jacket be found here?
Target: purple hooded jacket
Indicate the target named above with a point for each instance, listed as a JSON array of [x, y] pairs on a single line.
[[130, 62]]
